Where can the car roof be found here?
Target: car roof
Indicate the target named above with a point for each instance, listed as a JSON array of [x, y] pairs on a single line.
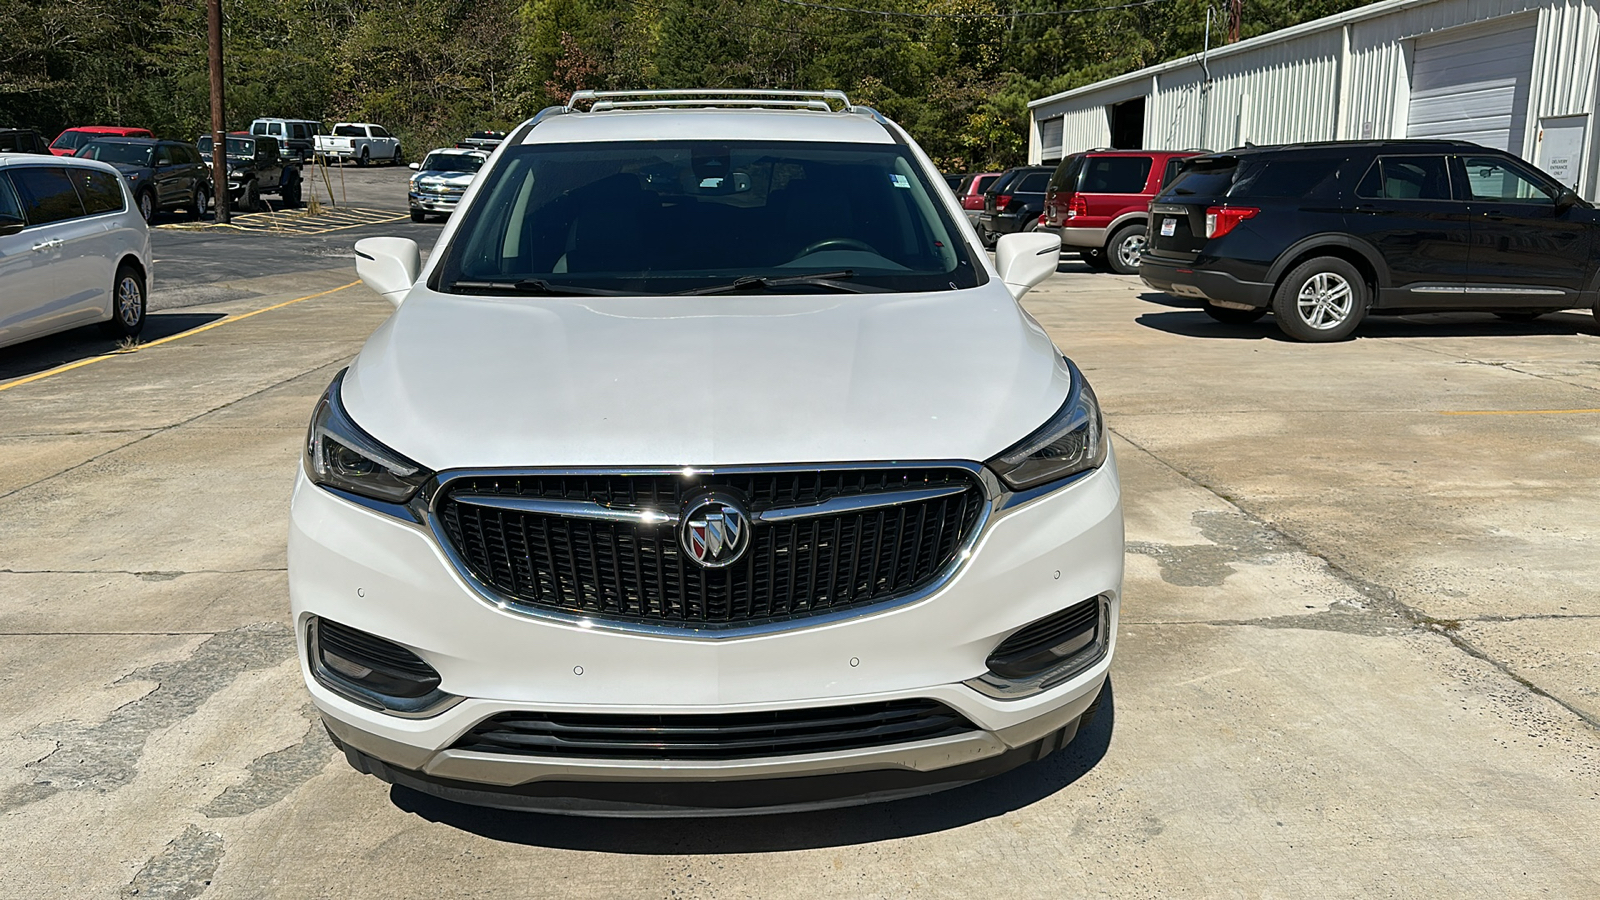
[[121, 139], [79, 162], [105, 129], [458, 151], [694, 124]]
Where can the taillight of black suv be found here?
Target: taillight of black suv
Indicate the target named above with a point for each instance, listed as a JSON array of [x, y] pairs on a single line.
[[1322, 235]]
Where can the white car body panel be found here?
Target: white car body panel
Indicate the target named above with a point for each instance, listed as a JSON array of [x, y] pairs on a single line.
[[811, 378], [67, 284]]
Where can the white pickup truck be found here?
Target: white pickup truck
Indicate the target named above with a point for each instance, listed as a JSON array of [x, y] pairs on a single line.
[[360, 141]]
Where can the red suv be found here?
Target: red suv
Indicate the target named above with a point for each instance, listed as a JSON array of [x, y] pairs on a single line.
[[1099, 202], [68, 142], [970, 193]]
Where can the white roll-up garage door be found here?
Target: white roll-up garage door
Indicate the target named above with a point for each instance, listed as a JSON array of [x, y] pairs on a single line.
[[1473, 87]]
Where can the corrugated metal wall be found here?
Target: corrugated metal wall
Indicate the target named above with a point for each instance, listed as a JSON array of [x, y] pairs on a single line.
[[1290, 90], [1283, 91]]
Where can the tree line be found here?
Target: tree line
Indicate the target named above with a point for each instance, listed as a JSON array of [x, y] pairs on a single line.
[[956, 73]]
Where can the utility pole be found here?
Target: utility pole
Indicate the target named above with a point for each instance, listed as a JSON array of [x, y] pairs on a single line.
[[1235, 19], [219, 127]]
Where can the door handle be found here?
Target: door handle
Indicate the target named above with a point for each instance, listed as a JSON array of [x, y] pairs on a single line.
[[48, 245]]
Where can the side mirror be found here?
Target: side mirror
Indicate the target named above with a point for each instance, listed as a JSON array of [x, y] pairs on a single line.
[[389, 266], [1025, 259], [416, 166], [1567, 199], [11, 225]]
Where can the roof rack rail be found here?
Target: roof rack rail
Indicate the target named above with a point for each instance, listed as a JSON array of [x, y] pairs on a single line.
[[822, 101]]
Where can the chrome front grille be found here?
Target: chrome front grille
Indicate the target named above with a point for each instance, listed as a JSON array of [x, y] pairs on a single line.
[[606, 545]]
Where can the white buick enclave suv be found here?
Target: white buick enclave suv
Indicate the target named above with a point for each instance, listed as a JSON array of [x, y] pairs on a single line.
[[709, 466]]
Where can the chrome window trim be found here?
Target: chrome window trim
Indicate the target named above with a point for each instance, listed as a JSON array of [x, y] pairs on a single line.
[[423, 507]]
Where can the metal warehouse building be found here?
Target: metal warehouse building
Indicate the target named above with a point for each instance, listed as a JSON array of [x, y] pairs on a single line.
[[1519, 75]]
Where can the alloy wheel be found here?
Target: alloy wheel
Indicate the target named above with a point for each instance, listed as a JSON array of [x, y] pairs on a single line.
[[1129, 250], [1325, 301], [130, 301], [147, 207]]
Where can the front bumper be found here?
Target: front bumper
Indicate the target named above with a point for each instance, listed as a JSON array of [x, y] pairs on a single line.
[[371, 572], [430, 202]]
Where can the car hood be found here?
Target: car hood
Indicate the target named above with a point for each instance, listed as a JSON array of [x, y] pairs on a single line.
[[139, 172], [456, 178], [455, 382]]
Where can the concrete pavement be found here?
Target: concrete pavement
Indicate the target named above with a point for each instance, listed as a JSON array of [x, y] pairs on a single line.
[[1357, 657]]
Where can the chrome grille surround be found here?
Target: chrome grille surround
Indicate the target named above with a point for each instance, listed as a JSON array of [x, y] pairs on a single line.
[[984, 492]]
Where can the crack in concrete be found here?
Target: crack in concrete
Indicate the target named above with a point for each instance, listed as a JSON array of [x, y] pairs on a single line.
[[1234, 537], [182, 871], [104, 757], [1202, 564], [276, 775]]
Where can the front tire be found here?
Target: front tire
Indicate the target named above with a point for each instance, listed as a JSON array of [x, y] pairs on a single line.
[[1233, 316], [418, 215], [1124, 248], [128, 304], [1321, 300], [397, 157], [147, 205], [250, 200]]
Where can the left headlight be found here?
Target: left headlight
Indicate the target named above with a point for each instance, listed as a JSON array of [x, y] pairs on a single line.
[[340, 455], [1072, 441]]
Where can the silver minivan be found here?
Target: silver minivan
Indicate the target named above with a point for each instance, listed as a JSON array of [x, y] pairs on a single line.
[[73, 248]]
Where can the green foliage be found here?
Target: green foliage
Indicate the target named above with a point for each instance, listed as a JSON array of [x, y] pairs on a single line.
[[958, 76]]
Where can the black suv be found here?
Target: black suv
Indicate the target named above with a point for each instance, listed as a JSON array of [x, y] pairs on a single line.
[[1014, 202], [256, 167], [22, 140], [161, 174], [1321, 235]]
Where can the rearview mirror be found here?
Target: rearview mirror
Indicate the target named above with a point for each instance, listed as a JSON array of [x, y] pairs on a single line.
[[1025, 259], [389, 266]]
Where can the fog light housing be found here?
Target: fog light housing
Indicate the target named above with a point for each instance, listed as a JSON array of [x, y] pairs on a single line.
[[373, 672], [1048, 652]]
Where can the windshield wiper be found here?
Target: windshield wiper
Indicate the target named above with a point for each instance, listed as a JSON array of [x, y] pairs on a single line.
[[534, 286], [830, 280]]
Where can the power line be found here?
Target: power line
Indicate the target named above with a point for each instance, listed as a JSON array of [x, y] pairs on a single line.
[[886, 13]]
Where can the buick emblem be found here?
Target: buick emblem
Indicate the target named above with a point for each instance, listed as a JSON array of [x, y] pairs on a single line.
[[715, 530]]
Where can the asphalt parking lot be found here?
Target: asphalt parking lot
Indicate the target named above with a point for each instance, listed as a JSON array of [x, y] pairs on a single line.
[[1357, 657]]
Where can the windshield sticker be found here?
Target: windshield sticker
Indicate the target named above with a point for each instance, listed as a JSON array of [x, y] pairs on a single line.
[[900, 181]]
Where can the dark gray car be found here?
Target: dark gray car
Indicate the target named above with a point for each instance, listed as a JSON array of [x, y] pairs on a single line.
[[161, 175], [256, 167]]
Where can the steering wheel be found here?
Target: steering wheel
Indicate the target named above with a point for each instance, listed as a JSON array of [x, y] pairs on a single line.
[[838, 243]]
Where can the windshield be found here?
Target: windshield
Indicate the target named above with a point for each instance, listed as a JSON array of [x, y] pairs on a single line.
[[127, 154], [71, 140], [236, 146], [656, 217], [452, 162]]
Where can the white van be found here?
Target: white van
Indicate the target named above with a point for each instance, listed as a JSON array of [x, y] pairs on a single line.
[[73, 248]]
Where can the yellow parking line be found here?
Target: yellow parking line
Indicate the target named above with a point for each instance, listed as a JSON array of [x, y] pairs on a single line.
[[226, 320], [1518, 412]]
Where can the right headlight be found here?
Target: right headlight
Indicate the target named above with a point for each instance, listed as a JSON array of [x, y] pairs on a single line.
[[1072, 441], [340, 455]]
